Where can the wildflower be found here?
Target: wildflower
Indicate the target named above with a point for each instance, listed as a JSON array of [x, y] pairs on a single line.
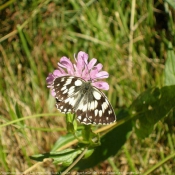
[[89, 71]]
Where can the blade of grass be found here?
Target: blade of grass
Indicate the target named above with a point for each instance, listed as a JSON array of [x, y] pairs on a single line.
[[26, 118], [6, 4], [26, 49], [159, 164]]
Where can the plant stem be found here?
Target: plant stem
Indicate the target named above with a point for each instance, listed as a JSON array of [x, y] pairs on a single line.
[[75, 162]]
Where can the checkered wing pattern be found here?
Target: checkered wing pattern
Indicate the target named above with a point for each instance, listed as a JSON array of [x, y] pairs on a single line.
[[75, 95]]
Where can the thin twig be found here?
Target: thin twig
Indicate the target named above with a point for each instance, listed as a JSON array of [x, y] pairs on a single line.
[[29, 170], [32, 167]]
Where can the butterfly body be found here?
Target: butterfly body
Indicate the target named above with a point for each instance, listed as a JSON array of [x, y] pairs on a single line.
[[75, 95]]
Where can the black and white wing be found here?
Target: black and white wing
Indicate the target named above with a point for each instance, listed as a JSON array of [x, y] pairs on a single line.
[[95, 109], [67, 90], [75, 95]]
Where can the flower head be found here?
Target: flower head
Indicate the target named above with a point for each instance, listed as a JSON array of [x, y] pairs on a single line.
[[89, 71]]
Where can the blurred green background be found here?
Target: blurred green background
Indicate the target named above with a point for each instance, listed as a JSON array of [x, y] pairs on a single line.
[[129, 37]]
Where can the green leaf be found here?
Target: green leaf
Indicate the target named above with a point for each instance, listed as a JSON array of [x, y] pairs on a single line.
[[63, 140], [170, 66], [88, 153], [150, 107], [65, 157], [111, 143]]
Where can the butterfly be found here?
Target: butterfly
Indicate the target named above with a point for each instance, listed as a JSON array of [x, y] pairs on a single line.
[[75, 95]]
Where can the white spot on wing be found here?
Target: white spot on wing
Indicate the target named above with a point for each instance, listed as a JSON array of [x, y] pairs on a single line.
[[85, 108], [65, 91], [92, 105], [67, 100], [85, 119], [97, 95], [72, 101], [109, 112], [95, 104], [81, 106], [78, 83], [100, 113], [71, 90], [68, 81], [96, 112], [104, 106], [63, 88], [79, 117]]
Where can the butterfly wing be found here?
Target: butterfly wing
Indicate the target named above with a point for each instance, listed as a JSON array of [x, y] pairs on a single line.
[[95, 108], [75, 95], [67, 92]]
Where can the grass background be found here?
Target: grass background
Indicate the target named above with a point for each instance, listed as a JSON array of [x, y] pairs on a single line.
[[130, 38]]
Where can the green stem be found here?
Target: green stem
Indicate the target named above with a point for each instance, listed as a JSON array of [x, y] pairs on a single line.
[[75, 162]]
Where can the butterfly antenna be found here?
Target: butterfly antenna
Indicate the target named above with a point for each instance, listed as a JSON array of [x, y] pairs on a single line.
[[88, 70]]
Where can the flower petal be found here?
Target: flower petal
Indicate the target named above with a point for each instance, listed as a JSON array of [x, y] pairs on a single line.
[[92, 63], [81, 68], [62, 71], [93, 73], [101, 85], [50, 78], [57, 73], [102, 75], [86, 74], [81, 60], [67, 64], [53, 93], [99, 66]]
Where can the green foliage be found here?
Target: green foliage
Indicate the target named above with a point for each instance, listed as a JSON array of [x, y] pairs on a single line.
[[154, 104], [109, 146], [63, 140], [150, 107], [111, 143], [65, 157]]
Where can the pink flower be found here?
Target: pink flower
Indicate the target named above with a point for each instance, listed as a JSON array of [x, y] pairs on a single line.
[[81, 68]]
